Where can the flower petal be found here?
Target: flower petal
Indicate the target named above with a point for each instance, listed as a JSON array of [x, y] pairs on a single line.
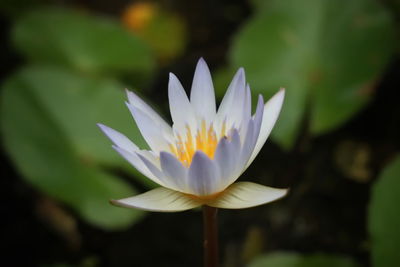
[[226, 157], [155, 169], [134, 159], [248, 144], [118, 138], [203, 176], [181, 110], [150, 131], [137, 102], [252, 132], [271, 112], [159, 199], [174, 170], [245, 195], [230, 110], [202, 95], [247, 104]]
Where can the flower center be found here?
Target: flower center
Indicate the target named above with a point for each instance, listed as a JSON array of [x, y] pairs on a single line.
[[204, 140]]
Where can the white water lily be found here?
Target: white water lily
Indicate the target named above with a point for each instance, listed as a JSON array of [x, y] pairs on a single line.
[[198, 160]]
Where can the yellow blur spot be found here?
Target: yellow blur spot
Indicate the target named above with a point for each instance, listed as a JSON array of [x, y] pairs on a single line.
[[136, 16]]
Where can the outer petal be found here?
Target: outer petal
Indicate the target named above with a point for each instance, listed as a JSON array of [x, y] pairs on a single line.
[[134, 159], [252, 133], [174, 171], [150, 131], [154, 168], [204, 176], [247, 104], [245, 195], [231, 108], [118, 138], [227, 157], [181, 110], [202, 94], [159, 199], [271, 112], [137, 102]]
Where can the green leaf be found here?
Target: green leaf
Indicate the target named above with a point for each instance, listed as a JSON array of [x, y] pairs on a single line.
[[77, 103], [85, 42], [384, 217], [166, 34], [327, 54], [48, 127], [286, 259]]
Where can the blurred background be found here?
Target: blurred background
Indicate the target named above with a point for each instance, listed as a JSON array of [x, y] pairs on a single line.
[[65, 65]]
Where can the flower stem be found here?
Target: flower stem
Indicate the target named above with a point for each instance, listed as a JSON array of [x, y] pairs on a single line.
[[210, 236]]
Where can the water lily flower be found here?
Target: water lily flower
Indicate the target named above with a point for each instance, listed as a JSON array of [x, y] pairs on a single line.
[[197, 160]]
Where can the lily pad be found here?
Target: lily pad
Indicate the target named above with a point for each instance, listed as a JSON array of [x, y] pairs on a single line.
[[88, 43], [327, 54], [384, 217], [286, 259], [48, 128]]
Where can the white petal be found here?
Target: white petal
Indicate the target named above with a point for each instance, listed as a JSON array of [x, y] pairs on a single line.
[[229, 109], [245, 195], [174, 170], [150, 131], [137, 102], [118, 138], [203, 176], [252, 133], [202, 95], [134, 159], [271, 112], [159, 199], [156, 171], [226, 157], [181, 110]]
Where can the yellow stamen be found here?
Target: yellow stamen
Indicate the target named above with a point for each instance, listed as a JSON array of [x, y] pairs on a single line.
[[204, 140]]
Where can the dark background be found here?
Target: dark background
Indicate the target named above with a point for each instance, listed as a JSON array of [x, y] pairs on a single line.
[[325, 211]]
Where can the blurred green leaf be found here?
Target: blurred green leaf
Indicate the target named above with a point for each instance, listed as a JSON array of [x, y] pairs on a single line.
[[286, 259], [77, 103], [327, 54], [384, 217], [85, 42], [48, 125], [166, 34], [164, 31]]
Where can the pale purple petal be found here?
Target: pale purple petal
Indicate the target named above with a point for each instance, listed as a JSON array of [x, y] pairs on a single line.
[[174, 171], [271, 112], [203, 176], [247, 104], [252, 133], [227, 157], [133, 159]]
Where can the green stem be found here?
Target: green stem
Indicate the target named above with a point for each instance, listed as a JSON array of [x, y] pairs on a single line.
[[210, 236]]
